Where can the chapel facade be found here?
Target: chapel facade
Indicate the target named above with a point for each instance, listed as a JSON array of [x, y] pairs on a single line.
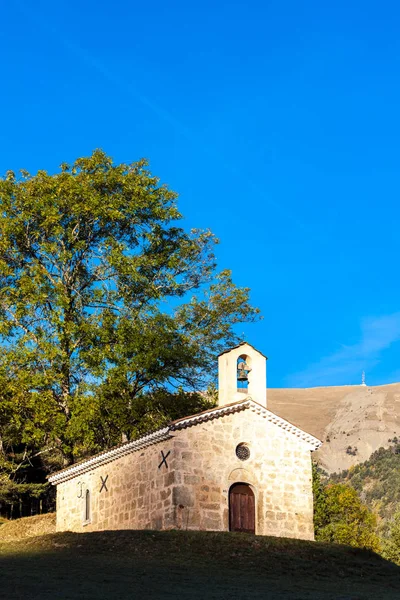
[[236, 467]]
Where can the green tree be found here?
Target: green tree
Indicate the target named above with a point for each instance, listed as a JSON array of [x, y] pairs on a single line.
[[379, 479], [391, 546], [109, 310], [344, 519], [319, 499]]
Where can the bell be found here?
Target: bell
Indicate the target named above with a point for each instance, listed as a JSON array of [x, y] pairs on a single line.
[[242, 371]]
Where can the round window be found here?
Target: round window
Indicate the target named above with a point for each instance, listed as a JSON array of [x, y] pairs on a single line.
[[243, 451]]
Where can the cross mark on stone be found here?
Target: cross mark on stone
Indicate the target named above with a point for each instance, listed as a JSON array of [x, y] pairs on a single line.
[[164, 459], [103, 483]]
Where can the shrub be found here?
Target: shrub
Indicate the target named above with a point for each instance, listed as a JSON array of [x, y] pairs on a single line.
[[391, 546], [341, 517]]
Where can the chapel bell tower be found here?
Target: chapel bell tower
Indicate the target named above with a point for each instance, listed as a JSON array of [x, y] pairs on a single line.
[[242, 373]]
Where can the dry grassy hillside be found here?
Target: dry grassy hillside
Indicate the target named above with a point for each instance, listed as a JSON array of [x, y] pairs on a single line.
[[352, 421], [27, 527]]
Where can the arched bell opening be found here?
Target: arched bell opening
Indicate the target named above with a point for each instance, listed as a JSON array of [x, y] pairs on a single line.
[[243, 370], [242, 508]]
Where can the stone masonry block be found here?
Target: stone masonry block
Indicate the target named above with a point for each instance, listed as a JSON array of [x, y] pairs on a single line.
[[182, 495]]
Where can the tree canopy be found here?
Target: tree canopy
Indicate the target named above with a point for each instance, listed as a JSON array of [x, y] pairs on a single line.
[[111, 312], [377, 480], [341, 517], [391, 544]]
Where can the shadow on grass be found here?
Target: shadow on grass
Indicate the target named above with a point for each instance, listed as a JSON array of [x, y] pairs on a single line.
[[157, 565]]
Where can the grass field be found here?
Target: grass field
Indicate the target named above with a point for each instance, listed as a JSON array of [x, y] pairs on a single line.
[[151, 565]]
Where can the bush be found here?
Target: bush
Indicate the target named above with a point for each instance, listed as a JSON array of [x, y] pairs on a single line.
[[391, 546], [341, 517]]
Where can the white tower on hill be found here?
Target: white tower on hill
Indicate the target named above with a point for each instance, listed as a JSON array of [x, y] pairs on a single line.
[[363, 379]]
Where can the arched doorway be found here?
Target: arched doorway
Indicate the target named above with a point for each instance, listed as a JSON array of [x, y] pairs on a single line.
[[242, 514]]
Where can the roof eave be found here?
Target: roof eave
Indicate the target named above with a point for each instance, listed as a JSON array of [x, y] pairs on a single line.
[[109, 456]]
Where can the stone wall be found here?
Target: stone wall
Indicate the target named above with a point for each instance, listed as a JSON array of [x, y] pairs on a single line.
[[193, 491], [278, 470], [137, 494]]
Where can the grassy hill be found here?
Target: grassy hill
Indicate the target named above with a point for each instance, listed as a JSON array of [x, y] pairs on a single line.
[[352, 421], [19, 529], [175, 564]]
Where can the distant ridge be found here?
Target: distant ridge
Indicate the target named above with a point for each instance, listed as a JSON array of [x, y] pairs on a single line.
[[353, 420]]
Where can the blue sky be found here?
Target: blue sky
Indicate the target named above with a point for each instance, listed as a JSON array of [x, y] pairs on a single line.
[[278, 124]]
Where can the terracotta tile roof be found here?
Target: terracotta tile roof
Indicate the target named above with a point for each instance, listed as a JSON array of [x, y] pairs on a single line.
[[247, 403], [109, 455], [165, 433]]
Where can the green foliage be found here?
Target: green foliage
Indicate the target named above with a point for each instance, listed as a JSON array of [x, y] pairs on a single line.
[[145, 412], [11, 492], [391, 545], [341, 517], [24, 499], [111, 315], [378, 480], [318, 489]]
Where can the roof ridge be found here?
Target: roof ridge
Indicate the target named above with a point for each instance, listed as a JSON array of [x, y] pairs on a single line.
[[241, 405]]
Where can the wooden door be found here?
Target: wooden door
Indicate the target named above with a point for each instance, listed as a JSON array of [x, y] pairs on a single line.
[[241, 508]]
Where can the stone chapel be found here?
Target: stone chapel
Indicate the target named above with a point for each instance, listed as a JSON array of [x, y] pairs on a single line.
[[236, 467]]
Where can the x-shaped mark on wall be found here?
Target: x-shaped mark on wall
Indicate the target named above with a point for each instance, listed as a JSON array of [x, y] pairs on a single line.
[[103, 483], [164, 459]]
